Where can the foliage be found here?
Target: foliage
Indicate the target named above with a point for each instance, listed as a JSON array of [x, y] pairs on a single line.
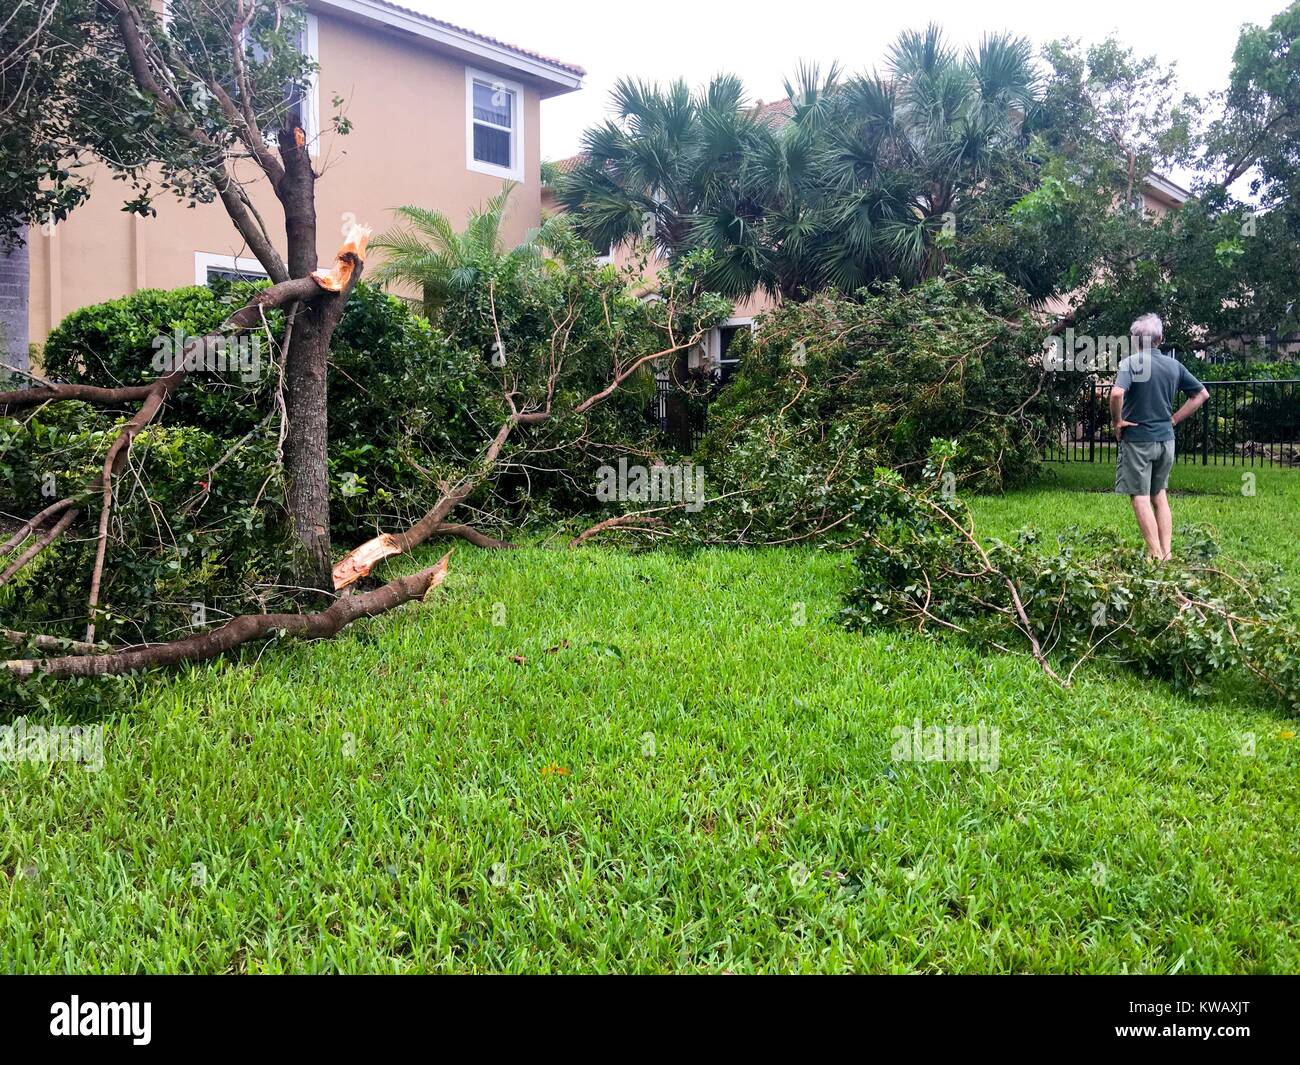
[[846, 182], [426, 253], [533, 319], [1219, 268], [920, 565], [1214, 270], [41, 180], [1246, 369], [1255, 133], [834, 386], [193, 525], [68, 99], [199, 519], [401, 396]]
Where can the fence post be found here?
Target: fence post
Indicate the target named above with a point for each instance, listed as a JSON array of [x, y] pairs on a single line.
[[1091, 430], [1205, 431]]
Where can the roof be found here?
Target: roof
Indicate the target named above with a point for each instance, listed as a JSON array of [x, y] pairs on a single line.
[[1171, 190], [566, 166], [555, 75], [775, 112]]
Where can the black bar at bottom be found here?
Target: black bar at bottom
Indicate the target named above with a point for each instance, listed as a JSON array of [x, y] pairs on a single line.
[[218, 1014]]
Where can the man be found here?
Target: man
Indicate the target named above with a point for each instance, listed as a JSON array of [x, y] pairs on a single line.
[[1142, 411]]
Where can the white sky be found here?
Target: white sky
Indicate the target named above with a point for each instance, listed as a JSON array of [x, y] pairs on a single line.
[[762, 40]]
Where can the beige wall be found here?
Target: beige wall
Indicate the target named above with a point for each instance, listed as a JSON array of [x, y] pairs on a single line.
[[407, 106], [628, 255]]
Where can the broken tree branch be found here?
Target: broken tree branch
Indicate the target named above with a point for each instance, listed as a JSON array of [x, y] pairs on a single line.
[[41, 543], [241, 630], [614, 523]]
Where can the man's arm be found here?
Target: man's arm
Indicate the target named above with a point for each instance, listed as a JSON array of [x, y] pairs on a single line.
[[1192, 405], [1116, 411]]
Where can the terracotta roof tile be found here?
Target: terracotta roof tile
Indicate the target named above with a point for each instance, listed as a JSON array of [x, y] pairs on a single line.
[[775, 112]]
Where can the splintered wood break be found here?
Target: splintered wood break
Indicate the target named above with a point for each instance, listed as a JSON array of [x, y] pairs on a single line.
[[349, 256], [358, 562]]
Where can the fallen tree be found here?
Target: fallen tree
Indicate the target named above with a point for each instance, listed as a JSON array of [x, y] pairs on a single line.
[[920, 565], [551, 394], [241, 630]]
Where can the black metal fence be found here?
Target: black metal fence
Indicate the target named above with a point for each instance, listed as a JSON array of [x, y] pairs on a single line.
[[1243, 423], [679, 414]]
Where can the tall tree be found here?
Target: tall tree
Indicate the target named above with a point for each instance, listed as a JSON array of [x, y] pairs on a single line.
[[843, 183], [182, 106]]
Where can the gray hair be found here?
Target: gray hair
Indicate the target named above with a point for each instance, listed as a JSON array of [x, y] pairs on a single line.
[[1148, 327]]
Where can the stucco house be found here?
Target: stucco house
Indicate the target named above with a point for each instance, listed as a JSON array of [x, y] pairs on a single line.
[[441, 117]]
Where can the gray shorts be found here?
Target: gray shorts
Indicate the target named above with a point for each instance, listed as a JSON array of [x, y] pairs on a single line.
[[1143, 468]]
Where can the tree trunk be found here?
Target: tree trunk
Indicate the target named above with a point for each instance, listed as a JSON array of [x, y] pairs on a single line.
[[306, 458]]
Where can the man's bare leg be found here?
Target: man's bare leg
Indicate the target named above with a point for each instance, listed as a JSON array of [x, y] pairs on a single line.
[[1146, 519], [1164, 522]]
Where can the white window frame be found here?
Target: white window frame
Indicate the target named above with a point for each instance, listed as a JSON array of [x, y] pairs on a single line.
[[515, 171], [715, 342], [205, 260], [311, 101]]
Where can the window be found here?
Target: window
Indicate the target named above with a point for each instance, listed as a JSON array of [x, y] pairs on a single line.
[[311, 104], [493, 125], [308, 99], [308, 44], [209, 267], [722, 357]]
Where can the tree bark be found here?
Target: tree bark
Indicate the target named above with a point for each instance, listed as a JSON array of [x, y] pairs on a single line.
[[306, 462], [306, 458], [241, 630]]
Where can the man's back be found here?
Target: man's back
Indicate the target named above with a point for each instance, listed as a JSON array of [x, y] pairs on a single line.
[[1151, 381]]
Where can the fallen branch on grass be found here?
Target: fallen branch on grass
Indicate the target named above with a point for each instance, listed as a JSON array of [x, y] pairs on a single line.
[[921, 563], [151, 397], [241, 630], [621, 521]]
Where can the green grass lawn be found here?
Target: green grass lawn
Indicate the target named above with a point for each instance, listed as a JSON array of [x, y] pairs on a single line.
[[1258, 527], [651, 765]]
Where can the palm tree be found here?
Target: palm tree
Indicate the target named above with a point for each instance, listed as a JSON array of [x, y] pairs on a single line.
[[855, 181], [953, 124], [426, 253], [668, 158]]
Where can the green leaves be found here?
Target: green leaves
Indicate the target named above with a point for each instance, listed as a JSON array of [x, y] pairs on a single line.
[[843, 183], [1182, 621], [830, 388]]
